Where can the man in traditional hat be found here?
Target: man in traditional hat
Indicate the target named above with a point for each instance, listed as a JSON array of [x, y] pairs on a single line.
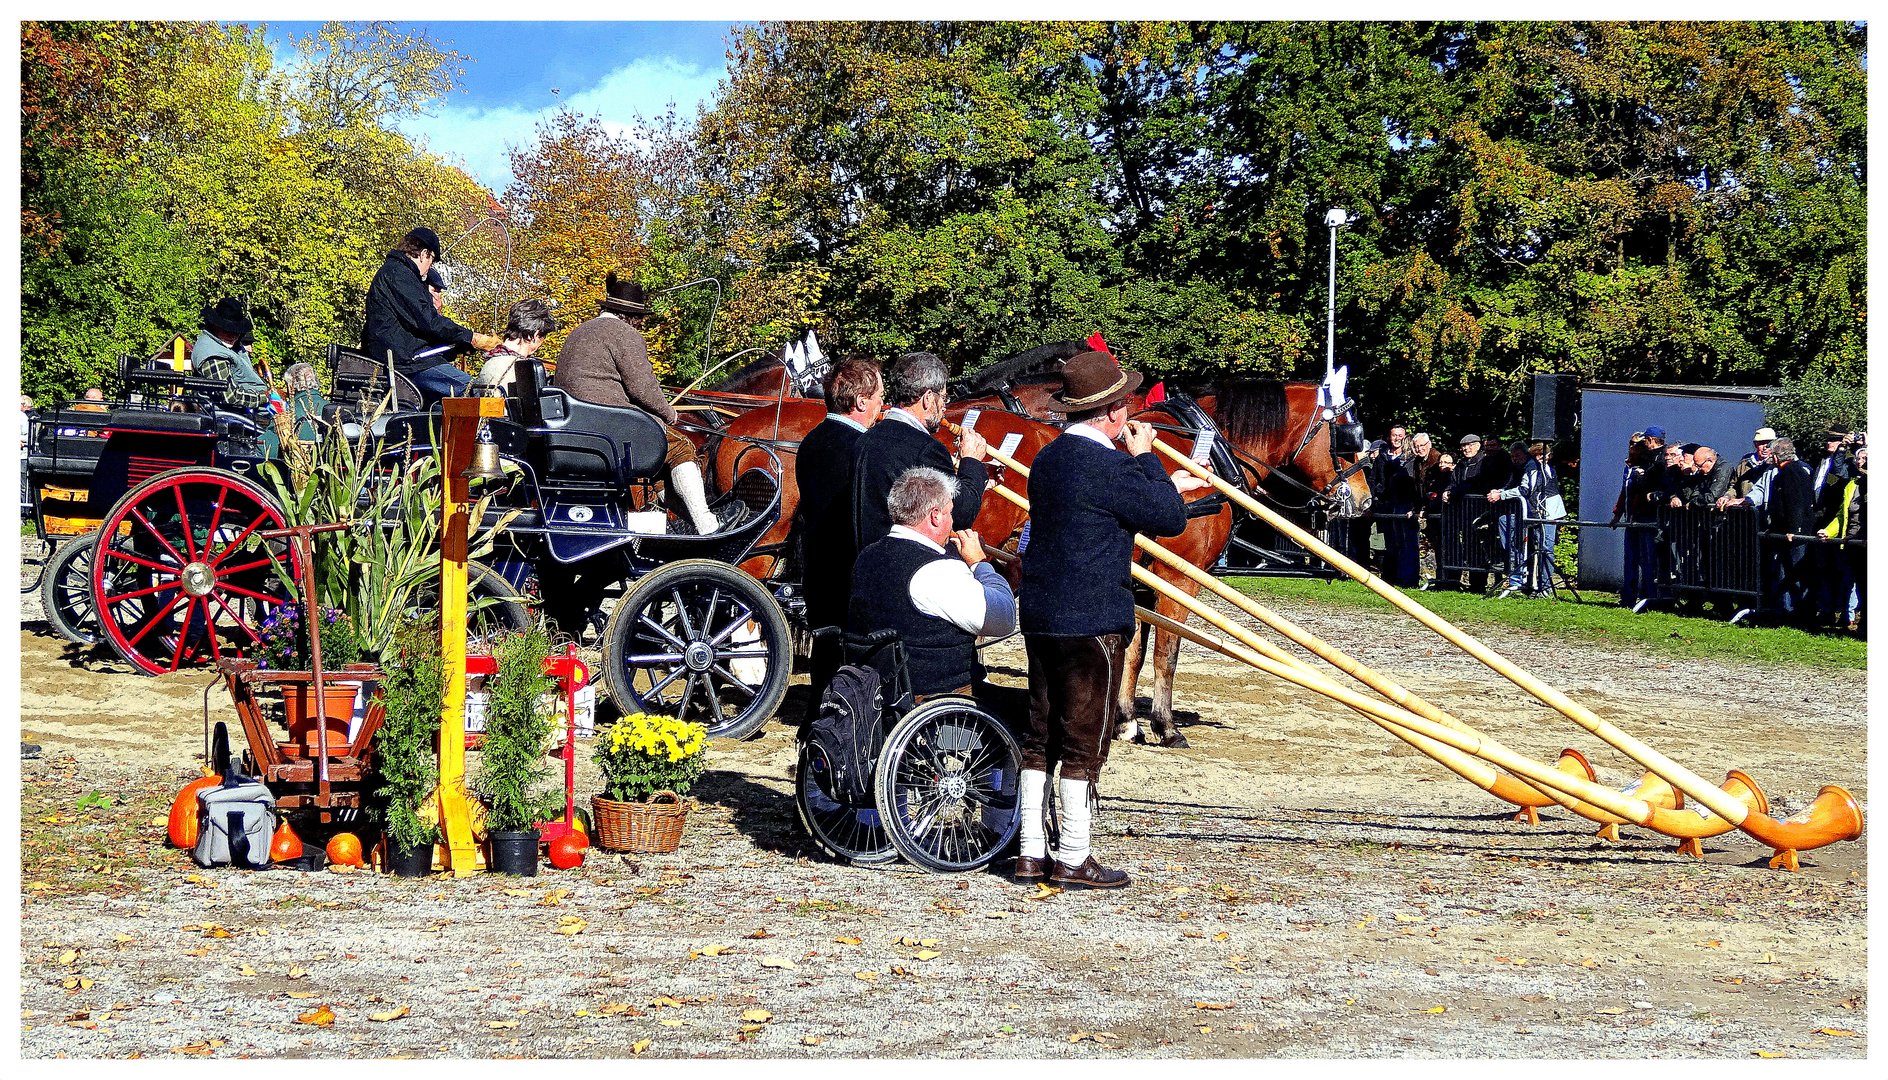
[[605, 361], [1087, 500], [219, 353], [403, 321]]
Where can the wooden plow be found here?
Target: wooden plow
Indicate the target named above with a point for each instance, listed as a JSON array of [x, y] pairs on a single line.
[[1655, 802]]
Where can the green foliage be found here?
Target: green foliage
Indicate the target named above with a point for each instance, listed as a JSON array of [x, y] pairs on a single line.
[[642, 754], [406, 755], [519, 719], [1815, 402]]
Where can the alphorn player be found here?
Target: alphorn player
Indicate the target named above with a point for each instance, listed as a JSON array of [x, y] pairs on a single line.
[[1087, 500]]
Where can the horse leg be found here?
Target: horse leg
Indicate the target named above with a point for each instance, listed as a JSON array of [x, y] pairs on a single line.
[[1126, 725], [1166, 663]]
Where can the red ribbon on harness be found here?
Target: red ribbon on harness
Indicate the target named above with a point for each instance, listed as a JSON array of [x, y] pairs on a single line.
[[1097, 343], [1158, 393]]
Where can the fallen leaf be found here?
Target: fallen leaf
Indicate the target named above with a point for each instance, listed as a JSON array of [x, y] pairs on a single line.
[[866, 976], [777, 962], [1609, 1012], [715, 950], [297, 973], [571, 925], [1215, 1005], [758, 934], [517, 892], [1206, 1029], [615, 1008], [322, 1017], [301, 994], [1221, 936], [69, 956], [501, 1024], [1044, 891], [554, 898], [640, 1045], [245, 970], [1401, 917], [757, 1016], [1437, 1009], [1842, 1032], [671, 1023], [846, 941], [811, 1040], [391, 1014], [1765, 1054], [928, 954]]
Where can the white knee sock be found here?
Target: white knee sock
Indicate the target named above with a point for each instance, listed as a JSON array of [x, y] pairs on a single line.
[[686, 480], [1032, 791], [1076, 811]]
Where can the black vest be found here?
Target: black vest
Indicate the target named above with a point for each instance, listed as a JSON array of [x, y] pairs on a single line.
[[939, 656]]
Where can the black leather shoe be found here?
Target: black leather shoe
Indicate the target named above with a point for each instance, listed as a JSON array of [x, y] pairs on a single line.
[[1027, 871], [1089, 875]]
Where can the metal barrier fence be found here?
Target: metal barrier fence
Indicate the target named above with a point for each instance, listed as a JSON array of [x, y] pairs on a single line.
[[1712, 552], [1469, 537]]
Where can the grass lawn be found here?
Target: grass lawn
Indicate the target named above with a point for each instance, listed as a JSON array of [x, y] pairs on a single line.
[[1597, 617]]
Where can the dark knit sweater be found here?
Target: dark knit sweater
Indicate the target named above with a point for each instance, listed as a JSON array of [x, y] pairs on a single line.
[[883, 455], [939, 656], [823, 470], [605, 361], [1086, 503]]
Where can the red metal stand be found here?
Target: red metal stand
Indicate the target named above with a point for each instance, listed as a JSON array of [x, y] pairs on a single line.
[[572, 676]]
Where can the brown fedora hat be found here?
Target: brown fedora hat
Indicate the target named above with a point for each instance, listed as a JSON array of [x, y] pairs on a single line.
[[624, 297], [1092, 380]]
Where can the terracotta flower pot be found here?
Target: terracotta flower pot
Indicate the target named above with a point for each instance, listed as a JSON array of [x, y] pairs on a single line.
[[298, 707]]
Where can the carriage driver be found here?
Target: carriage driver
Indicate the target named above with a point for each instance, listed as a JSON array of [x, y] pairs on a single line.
[[605, 361], [404, 320], [219, 353], [1087, 501], [939, 600]]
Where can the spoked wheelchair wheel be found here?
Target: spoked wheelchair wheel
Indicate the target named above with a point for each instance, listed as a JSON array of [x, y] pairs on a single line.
[[851, 834], [946, 786]]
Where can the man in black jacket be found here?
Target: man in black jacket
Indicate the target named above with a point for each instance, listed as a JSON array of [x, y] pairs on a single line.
[[402, 320], [914, 392], [1789, 519], [823, 521], [1087, 500], [1477, 474]]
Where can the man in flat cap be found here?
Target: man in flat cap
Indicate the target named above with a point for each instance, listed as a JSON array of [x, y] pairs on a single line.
[[404, 322]]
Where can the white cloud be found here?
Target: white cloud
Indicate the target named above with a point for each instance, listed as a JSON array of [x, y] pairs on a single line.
[[480, 138]]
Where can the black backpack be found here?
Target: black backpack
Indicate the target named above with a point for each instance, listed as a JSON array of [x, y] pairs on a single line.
[[847, 733]]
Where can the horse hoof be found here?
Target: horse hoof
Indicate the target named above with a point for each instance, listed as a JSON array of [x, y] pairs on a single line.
[[1175, 741]]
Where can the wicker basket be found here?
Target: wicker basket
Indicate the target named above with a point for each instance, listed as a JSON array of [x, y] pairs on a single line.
[[653, 826]]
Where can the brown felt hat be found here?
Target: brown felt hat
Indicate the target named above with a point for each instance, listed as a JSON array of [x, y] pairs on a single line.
[[1092, 380]]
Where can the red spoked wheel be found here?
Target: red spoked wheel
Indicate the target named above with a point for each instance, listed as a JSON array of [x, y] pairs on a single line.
[[182, 576]]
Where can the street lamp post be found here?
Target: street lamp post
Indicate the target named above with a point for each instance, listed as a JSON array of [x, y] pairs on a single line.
[[1334, 219]]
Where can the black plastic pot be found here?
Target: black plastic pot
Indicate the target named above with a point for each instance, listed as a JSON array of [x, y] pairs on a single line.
[[515, 852], [416, 861]]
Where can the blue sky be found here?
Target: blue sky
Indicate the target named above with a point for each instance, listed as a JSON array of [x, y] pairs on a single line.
[[520, 72]]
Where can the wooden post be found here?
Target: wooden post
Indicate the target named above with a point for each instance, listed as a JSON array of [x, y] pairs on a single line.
[[459, 432]]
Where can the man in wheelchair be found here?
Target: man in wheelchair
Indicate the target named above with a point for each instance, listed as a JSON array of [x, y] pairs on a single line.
[[939, 600]]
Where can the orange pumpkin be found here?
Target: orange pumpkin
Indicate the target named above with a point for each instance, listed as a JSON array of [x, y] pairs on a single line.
[[285, 845], [567, 850], [345, 849], [184, 811]]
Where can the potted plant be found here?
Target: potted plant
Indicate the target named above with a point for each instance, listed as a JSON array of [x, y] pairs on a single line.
[[519, 718], [406, 758], [649, 763], [283, 645]]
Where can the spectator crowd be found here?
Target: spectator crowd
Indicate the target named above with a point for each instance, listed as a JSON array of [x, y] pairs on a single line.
[[1447, 520]]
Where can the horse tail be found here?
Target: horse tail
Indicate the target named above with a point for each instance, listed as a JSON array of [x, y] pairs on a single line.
[[1251, 409]]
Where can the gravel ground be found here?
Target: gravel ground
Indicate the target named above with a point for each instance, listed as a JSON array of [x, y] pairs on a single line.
[[1303, 887]]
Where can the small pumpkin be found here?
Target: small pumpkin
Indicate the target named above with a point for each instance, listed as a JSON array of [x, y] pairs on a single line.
[[567, 850], [185, 811], [345, 850], [284, 845]]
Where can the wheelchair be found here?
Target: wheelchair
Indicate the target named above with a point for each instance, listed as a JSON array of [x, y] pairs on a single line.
[[944, 791]]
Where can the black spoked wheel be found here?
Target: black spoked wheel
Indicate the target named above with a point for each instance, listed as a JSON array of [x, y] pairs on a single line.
[[65, 590], [947, 786], [493, 607], [701, 641], [849, 833]]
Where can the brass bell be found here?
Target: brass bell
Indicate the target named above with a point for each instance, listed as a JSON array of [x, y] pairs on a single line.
[[484, 459]]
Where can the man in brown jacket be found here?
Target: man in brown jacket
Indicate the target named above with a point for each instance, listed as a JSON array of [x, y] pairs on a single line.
[[606, 362]]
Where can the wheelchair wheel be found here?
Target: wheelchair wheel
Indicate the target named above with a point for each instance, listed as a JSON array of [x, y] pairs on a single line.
[[66, 590], [850, 834], [701, 641], [946, 785]]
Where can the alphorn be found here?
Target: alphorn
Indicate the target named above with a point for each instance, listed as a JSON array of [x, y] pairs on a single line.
[[1834, 814], [1526, 796], [1651, 794]]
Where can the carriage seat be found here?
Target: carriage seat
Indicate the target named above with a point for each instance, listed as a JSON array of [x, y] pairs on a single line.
[[589, 444], [359, 382]]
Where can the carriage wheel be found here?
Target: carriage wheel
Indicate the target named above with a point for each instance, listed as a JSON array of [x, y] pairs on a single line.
[[181, 576], [701, 641], [851, 834], [65, 591], [946, 784]]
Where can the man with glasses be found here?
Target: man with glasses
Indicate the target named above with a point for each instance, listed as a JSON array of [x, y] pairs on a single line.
[[903, 439]]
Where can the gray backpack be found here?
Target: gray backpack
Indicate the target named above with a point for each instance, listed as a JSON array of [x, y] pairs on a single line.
[[236, 822]]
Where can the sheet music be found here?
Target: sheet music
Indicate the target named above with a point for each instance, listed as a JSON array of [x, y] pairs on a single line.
[[1203, 447], [970, 417], [1010, 442]]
